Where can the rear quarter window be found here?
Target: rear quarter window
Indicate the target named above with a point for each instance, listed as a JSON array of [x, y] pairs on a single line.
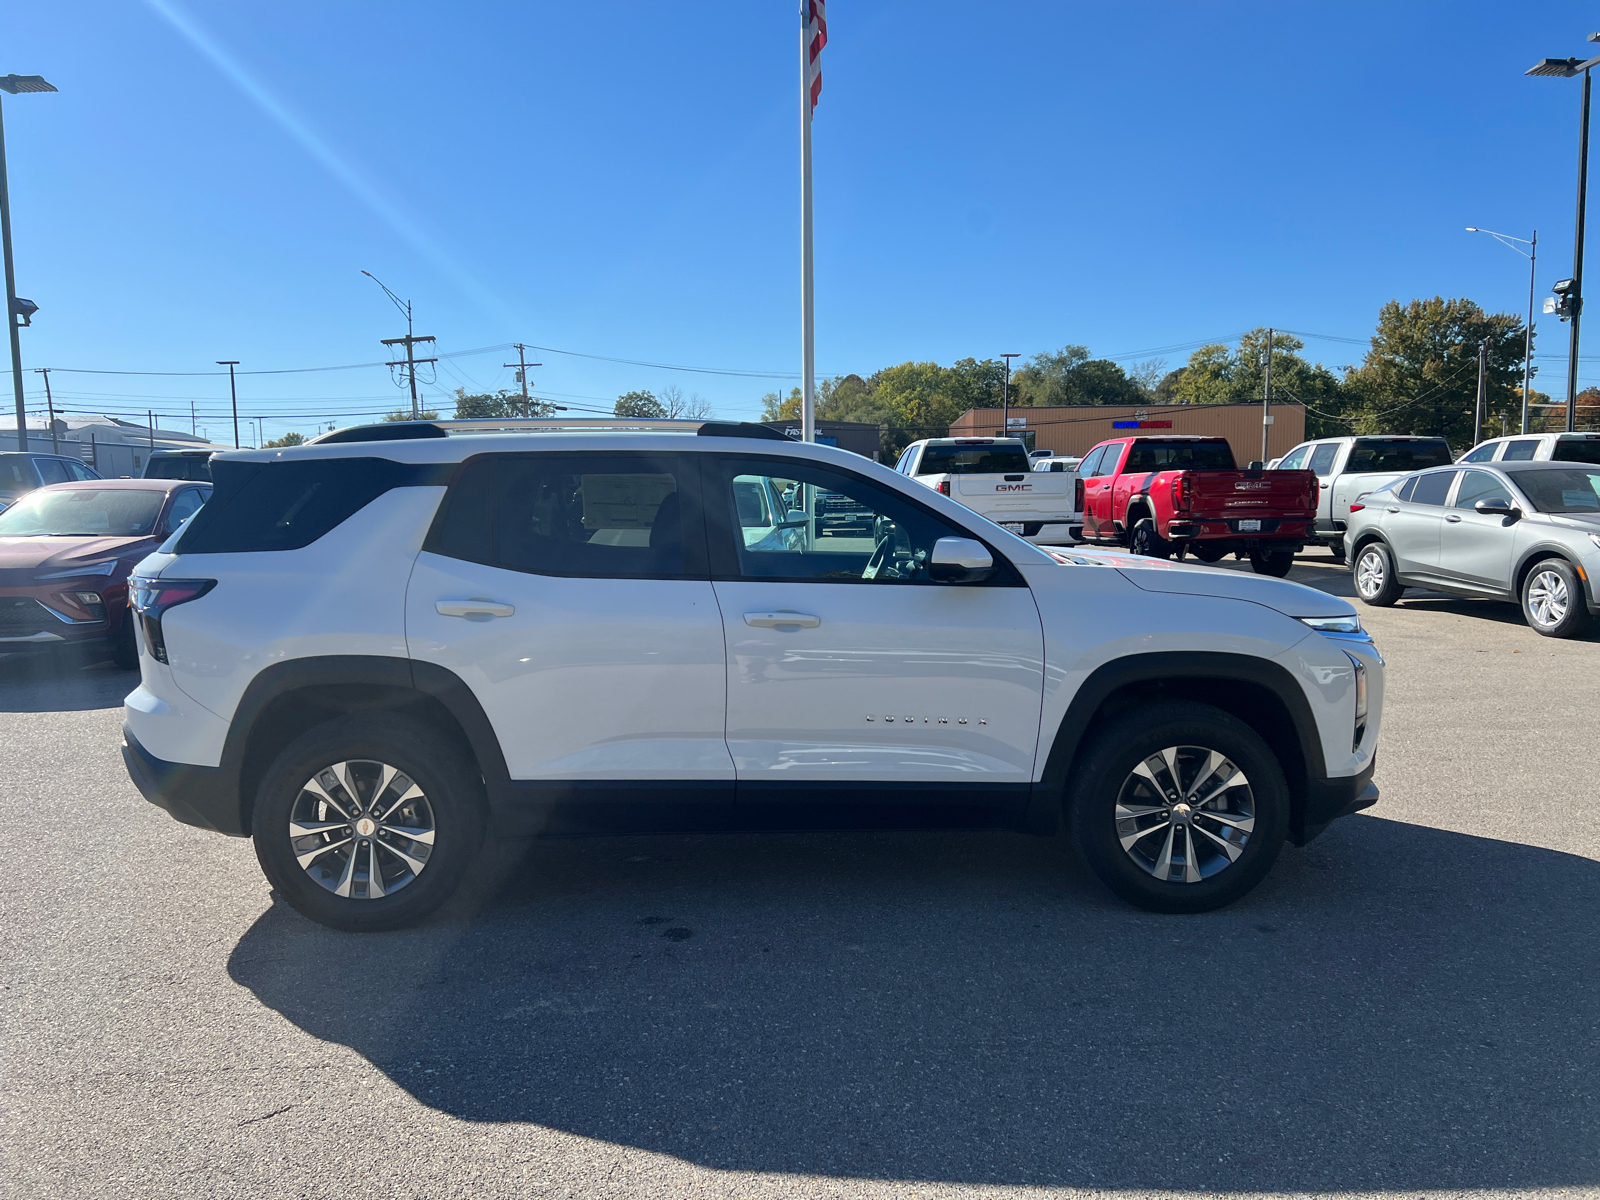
[[1369, 456], [1584, 450], [289, 505]]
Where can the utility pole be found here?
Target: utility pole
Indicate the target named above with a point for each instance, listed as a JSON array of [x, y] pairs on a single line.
[[1483, 393], [409, 342], [233, 391], [151, 418], [1005, 397], [259, 435], [1266, 401], [522, 365], [1577, 258], [50, 407], [194, 427], [12, 85]]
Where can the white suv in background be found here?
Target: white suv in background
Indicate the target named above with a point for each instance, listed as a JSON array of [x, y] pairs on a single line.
[[1537, 447], [365, 652]]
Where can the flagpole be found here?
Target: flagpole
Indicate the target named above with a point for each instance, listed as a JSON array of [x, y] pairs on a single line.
[[808, 403]]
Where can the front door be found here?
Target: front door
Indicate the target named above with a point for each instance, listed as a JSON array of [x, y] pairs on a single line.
[[847, 665], [1475, 549], [1098, 483], [1413, 529], [570, 593]]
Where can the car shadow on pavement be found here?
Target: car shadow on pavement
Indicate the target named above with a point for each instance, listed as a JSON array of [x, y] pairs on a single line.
[[62, 680], [1396, 1008]]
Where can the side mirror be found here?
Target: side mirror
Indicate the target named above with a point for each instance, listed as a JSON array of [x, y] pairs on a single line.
[[1495, 508], [959, 560], [1255, 466]]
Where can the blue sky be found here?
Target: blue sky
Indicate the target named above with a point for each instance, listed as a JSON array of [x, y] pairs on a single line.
[[621, 180]]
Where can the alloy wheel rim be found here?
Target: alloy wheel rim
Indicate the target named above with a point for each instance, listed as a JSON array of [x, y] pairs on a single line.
[[1184, 814], [361, 829], [1370, 574], [1548, 599]]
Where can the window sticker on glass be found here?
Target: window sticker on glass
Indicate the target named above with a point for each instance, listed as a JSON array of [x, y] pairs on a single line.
[[619, 510]]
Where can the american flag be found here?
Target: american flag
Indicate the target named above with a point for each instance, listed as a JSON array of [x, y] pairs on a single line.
[[813, 16]]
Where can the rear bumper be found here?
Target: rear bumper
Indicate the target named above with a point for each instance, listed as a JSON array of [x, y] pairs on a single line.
[[1329, 799], [205, 797]]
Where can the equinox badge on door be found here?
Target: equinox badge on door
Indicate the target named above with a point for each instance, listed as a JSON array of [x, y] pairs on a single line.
[[927, 720]]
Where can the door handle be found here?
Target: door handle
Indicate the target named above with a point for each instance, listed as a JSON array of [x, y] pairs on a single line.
[[1324, 486], [1452, 518], [1391, 508], [476, 607], [772, 620]]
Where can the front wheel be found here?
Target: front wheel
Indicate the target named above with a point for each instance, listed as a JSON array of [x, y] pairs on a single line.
[[1179, 807], [1276, 563], [1553, 601], [365, 824], [1376, 582], [1146, 540]]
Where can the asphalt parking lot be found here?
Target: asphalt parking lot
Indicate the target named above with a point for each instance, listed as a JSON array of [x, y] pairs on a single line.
[[1407, 1005]]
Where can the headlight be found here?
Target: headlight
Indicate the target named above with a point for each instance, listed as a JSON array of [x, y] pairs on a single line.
[[105, 568], [1595, 538], [1361, 702], [1334, 624]]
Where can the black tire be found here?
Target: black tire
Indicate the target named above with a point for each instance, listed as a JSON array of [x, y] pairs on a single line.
[[124, 650], [452, 811], [1208, 552], [1553, 599], [1374, 575], [1146, 541], [1103, 779], [1276, 563]]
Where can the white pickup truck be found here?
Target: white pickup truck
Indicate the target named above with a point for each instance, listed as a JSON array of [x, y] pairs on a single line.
[[994, 478], [1349, 467]]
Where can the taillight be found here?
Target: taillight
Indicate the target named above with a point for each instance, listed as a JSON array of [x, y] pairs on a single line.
[[944, 487], [1077, 494], [151, 598], [1357, 507], [1180, 493]]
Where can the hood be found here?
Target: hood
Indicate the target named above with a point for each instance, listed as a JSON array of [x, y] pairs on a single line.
[[1187, 579], [29, 556], [1583, 522]]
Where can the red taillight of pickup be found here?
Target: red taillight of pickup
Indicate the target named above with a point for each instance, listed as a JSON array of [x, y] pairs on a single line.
[[944, 487], [1180, 493], [1077, 494]]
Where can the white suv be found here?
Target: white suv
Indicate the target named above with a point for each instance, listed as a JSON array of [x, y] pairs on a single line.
[[365, 653]]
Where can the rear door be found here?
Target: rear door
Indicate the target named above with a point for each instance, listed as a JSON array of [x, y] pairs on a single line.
[[1413, 527], [570, 592], [1321, 464], [1475, 550], [848, 666]]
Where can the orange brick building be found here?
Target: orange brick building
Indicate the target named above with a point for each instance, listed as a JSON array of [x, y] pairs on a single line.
[[1072, 430]]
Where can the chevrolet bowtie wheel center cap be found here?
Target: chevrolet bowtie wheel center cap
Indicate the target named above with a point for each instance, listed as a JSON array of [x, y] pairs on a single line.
[[366, 826], [1181, 814]]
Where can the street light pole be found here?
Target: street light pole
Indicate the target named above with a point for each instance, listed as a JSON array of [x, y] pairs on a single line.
[[1005, 396], [1532, 255], [12, 84], [233, 391]]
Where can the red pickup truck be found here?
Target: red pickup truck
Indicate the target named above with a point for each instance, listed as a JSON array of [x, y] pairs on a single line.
[[1175, 494]]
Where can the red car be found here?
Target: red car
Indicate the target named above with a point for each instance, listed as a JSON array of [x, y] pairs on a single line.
[[66, 551]]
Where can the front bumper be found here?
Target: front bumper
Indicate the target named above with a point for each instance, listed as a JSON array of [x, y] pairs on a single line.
[[1327, 800], [206, 797]]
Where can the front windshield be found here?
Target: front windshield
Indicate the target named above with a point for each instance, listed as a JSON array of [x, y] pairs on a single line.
[[973, 460], [1570, 490], [97, 512]]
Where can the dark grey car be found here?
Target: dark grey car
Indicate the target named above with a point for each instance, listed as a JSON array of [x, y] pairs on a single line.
[[1522, 531], [23, 470]]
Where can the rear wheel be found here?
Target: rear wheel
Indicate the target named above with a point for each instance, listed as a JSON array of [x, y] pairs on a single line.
[[1208, 552], [1148, 542], [1553, 601], [1180, 807], [1376, 583], [1276, 563], [365, 824], [1338, 552]]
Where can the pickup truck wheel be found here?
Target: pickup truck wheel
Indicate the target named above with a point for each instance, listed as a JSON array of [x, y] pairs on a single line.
[[1376, 583], [1553, 601], [1276, 563], [1208, 552], [1148, 542], [1179, 807], [1338, 552], [367, 823]]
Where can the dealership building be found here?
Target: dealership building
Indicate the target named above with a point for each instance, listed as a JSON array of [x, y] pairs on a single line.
[[1071, 430]]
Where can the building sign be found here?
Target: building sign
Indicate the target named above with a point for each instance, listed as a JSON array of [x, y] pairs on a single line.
[[1141, 424], [1016, 422]]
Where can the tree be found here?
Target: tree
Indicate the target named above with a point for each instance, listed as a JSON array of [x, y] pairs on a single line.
[[777, 407], [1217, 375], [1070, 376], [501, 404], [639, 404], [288, 439], [400, 414], [1421, 374], [848, 398], [694, 407]]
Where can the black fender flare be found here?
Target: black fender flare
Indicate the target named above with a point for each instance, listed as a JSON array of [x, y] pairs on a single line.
[[1304, 766]]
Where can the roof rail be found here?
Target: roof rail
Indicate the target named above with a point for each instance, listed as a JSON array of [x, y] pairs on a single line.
[[397, 431]]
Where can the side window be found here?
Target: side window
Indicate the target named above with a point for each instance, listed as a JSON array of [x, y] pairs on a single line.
[[1584, 450], [595, 516], [80, 472], [1405, 487], [1090, 466], [904, 465], [834, 528], [1484, 453], [51, 470], [1433, 488], [184, 505], [1480, 485], [1521, 450], [1292, 460], [1322, 457]]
